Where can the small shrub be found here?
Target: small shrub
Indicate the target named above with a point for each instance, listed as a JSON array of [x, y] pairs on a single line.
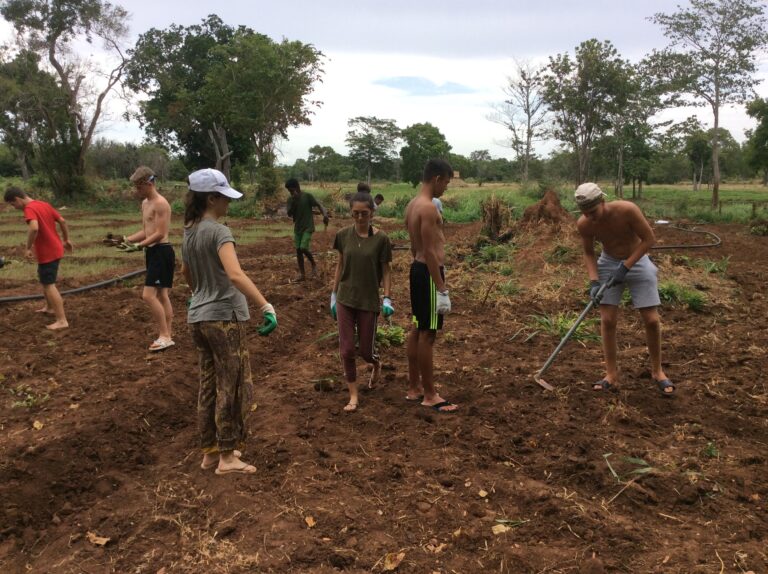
[[674, 293], [759, 228], [710, 266], [506, 270]]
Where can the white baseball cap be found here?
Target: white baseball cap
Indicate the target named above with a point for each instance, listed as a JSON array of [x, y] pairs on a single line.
[[210, 180], [588, 194]]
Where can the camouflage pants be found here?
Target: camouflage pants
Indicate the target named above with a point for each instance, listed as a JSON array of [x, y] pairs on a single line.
[[225, 384]]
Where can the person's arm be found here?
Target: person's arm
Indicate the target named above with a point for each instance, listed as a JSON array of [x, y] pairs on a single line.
[[239, 279], [588, 245], [429, 240], [139, 235], [386, 279], [322, 210], [291, 207], [187, 276], [65, 235], [31, 236], [162, 223], [337, 273], [641, 227]]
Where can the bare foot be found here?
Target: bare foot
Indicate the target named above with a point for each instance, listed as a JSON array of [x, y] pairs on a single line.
[[350, 407], [439, 404], [212, 459], [44, 310], [414, 394], [299, 279], [57, 325], [375, 375]]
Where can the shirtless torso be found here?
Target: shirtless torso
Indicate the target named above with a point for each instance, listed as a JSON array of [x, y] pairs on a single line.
[[425, 231], [156, 219], [620, 227]]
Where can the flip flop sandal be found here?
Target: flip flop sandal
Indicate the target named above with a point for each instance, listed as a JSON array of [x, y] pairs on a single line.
[[604, 385], [247, 469], [440, 407], [665, 384], [159, 345], [215, 463]]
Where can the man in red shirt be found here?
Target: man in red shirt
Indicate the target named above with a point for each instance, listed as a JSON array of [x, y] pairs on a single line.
[[44, 244]]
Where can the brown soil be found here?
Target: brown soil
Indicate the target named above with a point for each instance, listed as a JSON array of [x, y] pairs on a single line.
[[546, 210], [116, 454]]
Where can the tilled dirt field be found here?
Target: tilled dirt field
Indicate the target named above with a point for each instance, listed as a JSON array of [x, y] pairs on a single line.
[[101, 441]]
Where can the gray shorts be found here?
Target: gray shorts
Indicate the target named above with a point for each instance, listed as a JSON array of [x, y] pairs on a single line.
[[641, 280]]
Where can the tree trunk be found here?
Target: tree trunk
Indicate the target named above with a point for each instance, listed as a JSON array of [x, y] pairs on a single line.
[[22, 159], [716, 156], [765, 177], [634, 188], [620, 175], [640, 189], [218, 137]]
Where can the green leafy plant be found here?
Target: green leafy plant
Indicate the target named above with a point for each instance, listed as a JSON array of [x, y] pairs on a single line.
[[508, 288], [559, 324], [390, 335], [674, 293], [710, 451], [398, 234], [26, 397]]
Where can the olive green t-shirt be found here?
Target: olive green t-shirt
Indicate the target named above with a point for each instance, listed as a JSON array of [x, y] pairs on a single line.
[[301, 211], [362, 259]]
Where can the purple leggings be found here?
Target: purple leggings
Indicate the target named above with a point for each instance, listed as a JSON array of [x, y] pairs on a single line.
[[365, 321]]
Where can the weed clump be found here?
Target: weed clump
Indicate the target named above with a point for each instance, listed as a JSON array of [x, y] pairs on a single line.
[[675, 294]]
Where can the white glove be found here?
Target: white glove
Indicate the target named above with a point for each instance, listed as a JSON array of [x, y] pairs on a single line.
[[443, 306]]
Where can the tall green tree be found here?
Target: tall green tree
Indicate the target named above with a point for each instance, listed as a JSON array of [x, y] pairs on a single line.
[[757, 144], [584, 92], [524, 113], [51, 28], [422, 142], [712, 57], [372, 142], [221, 94]]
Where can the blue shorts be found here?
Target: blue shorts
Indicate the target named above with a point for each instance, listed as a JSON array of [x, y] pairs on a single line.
[[641, 280], [47, 272]]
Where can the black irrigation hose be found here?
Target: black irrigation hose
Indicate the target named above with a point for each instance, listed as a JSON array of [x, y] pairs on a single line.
[[104, 283], [717, 241]]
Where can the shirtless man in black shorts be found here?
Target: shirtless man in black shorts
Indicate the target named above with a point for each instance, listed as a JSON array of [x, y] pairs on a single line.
[[429, 294]]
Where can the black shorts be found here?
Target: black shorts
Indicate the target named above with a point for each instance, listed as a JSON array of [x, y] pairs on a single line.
[[424, 298], [160, 260], [47, 272]]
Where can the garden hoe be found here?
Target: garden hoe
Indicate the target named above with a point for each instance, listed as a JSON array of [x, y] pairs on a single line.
[[571, 331]]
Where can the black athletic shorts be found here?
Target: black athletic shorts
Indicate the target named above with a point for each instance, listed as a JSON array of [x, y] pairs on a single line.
[[424, 298], [160, 260], [47, 272]]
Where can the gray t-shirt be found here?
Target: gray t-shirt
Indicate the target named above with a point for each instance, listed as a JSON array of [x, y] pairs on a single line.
[[214, 298]]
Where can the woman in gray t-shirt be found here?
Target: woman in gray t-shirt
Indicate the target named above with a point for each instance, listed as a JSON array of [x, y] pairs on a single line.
[[218, 311]]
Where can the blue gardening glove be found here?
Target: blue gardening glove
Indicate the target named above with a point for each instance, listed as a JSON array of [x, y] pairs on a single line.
[[270, 320], [387, 309], [594, 287], [618, 276], [333, 305]]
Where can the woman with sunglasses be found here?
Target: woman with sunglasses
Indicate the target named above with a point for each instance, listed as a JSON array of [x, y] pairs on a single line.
[[365, 254]]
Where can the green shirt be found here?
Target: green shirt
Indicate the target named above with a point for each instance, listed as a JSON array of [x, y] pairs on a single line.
[[301, 211], [363, 260]]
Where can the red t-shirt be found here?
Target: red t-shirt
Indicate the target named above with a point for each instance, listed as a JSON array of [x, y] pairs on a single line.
[[48, 246]]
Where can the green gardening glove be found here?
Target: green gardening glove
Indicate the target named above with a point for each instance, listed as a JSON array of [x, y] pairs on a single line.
[[270, 320], [387, 308], [129, 247]]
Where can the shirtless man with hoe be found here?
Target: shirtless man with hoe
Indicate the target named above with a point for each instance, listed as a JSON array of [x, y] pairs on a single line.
[[626, 238], [159, 255], [429, 294]]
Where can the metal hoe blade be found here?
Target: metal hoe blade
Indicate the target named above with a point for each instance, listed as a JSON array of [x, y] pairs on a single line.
[[537, 377]]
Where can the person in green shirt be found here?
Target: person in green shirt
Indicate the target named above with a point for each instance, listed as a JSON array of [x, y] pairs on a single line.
[[365, 254], [300, 206]]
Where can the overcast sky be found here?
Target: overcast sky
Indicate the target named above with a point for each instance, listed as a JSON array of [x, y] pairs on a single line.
[[418, 61]]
